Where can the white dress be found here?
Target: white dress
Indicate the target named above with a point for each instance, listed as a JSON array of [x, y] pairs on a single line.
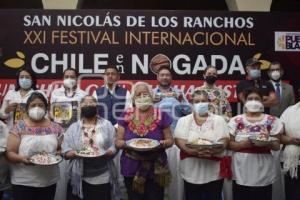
[[251, 169], [35, 140], [197, 170]]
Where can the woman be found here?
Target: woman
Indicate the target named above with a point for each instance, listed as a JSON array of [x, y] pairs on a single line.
[[253, 167], [16, 98], [35, 134], [69, 91], [291, 152], [145, 174], [219, 104], [68, 96], [91, 178], [200, 168]]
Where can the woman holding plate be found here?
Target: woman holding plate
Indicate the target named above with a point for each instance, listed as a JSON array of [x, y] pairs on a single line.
[[252, 139], [202, 167], [146, 173], [33, 135], [89, 143]]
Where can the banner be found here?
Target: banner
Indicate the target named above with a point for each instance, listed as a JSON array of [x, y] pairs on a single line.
[[50, 41]]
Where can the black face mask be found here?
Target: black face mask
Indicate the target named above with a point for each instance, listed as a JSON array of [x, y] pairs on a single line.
[[210, 79], [89, 111]]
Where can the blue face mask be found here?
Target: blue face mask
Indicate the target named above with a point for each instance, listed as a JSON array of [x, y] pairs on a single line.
[[201, 108], [255, 73], [25, 83]]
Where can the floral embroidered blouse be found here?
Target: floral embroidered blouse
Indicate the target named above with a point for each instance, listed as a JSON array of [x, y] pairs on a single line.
[[151, 128], [219, 104]]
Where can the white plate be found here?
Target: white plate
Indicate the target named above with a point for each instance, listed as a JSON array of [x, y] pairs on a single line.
[[132, 144], [204, 146], [81, 155], [55, 159], [261, 143]]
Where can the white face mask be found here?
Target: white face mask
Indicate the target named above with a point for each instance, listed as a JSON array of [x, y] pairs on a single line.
[[201, 108], [36, 113], [69, 83], [143, 103], [254, 106], [275, 75], [25, 83]]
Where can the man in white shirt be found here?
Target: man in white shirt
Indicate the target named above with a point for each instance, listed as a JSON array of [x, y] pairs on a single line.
[[68, 95], [284, 91]]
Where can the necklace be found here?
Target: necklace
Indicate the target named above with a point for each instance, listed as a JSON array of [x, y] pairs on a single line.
[[88, 136]]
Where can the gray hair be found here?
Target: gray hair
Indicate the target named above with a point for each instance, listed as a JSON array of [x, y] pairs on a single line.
[[92, 97], [140, 84], [198, 92]]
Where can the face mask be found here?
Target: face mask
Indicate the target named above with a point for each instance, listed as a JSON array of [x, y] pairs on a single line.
[[143, 103], [254, 106], [254, 73], [36, 113], [201, 108], [210, 79], [25, 83], [89, 111], [275, 75], [69, 83]]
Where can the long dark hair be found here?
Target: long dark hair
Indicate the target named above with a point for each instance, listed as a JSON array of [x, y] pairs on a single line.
[[33, 78], [251, 90]]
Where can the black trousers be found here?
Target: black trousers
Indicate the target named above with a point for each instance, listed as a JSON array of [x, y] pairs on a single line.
[[241, 192], [292, 186], [207, 191], [91, 192], [21, 192], [152, 190]]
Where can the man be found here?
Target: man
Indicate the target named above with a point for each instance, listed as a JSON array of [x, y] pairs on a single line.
[[67, 96], [253, 79], [284, 91], [169, 99], [172, 101], [112, 98]]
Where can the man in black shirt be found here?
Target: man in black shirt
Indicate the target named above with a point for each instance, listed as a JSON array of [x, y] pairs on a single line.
[[253, 79]]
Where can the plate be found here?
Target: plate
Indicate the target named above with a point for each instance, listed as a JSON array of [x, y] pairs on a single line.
[[89, 153], [142, 144], [204, 146], [261, 143], [45, 159]]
